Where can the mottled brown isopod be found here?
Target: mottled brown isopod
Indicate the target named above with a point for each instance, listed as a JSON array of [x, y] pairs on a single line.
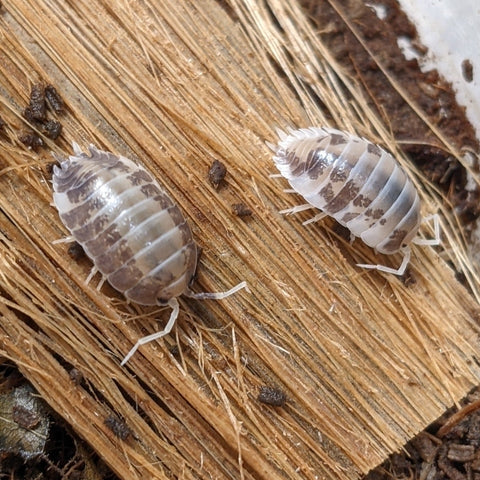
[[130, 228], [356, 182]]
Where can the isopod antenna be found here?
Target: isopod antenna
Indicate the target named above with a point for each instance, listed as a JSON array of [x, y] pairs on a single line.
[[173, 303], [216, 295]]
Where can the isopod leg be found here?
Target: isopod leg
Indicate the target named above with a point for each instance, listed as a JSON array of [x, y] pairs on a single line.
[[92, 273], [296, 209], [216, 295], [101, 282], [436, 228], [301, 208], [155, 336], [382, 268], [282, 134], [272, 146], [76, 149], [68, 239], [316, 218]]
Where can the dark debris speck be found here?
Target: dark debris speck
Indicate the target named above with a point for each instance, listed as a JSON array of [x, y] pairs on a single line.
[[241, 210], [118, 427], [53, 98], [52, 129], [75, 251], [217, 173], [272, 396], [37, 108], [76, 376], [30, 139]]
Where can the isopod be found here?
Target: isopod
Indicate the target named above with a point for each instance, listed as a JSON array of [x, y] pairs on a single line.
[[131, 229], [356, 182]]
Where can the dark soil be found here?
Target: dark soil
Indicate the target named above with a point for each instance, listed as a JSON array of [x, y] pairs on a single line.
[[449, 448], [36, 444], [431, 94]]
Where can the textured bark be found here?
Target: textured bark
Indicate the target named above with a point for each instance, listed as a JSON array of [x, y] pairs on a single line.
[[366, 361]]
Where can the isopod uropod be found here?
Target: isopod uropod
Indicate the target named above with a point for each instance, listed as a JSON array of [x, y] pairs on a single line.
[[356, 182], [131, 230]]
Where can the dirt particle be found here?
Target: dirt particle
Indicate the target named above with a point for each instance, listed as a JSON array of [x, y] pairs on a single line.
[[35, 113], [54, 100], [427, 446], [467, 70], [52, 129], [118, 427], [28, 115], [30, 139], [217, 173], [241, 210], [37, 108], [76, 376], [461, 453], [272, 396]]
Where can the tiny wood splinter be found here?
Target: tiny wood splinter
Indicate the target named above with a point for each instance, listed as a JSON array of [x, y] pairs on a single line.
[[131, 229]]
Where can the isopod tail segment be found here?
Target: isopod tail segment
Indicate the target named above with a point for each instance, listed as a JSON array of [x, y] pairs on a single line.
[[406, 250], [173, 303]]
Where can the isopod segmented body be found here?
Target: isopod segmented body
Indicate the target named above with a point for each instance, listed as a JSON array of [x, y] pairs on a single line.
[[130, 228], [356, 182]]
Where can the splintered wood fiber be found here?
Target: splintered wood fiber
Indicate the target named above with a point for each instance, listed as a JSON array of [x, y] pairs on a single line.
[[365, 361]]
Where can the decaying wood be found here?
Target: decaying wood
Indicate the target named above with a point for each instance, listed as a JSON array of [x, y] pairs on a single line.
[[366, 362]]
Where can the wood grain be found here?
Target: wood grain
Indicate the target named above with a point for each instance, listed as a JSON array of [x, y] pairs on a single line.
[[366, 362]]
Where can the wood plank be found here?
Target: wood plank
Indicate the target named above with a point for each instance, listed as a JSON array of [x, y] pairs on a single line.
[[366, 362]]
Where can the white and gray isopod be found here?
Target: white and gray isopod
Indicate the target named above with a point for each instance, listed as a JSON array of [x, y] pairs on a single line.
[[356, 182], [131, 230]]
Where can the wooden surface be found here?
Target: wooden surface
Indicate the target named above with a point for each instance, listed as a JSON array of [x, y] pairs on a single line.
[[366, 361]]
